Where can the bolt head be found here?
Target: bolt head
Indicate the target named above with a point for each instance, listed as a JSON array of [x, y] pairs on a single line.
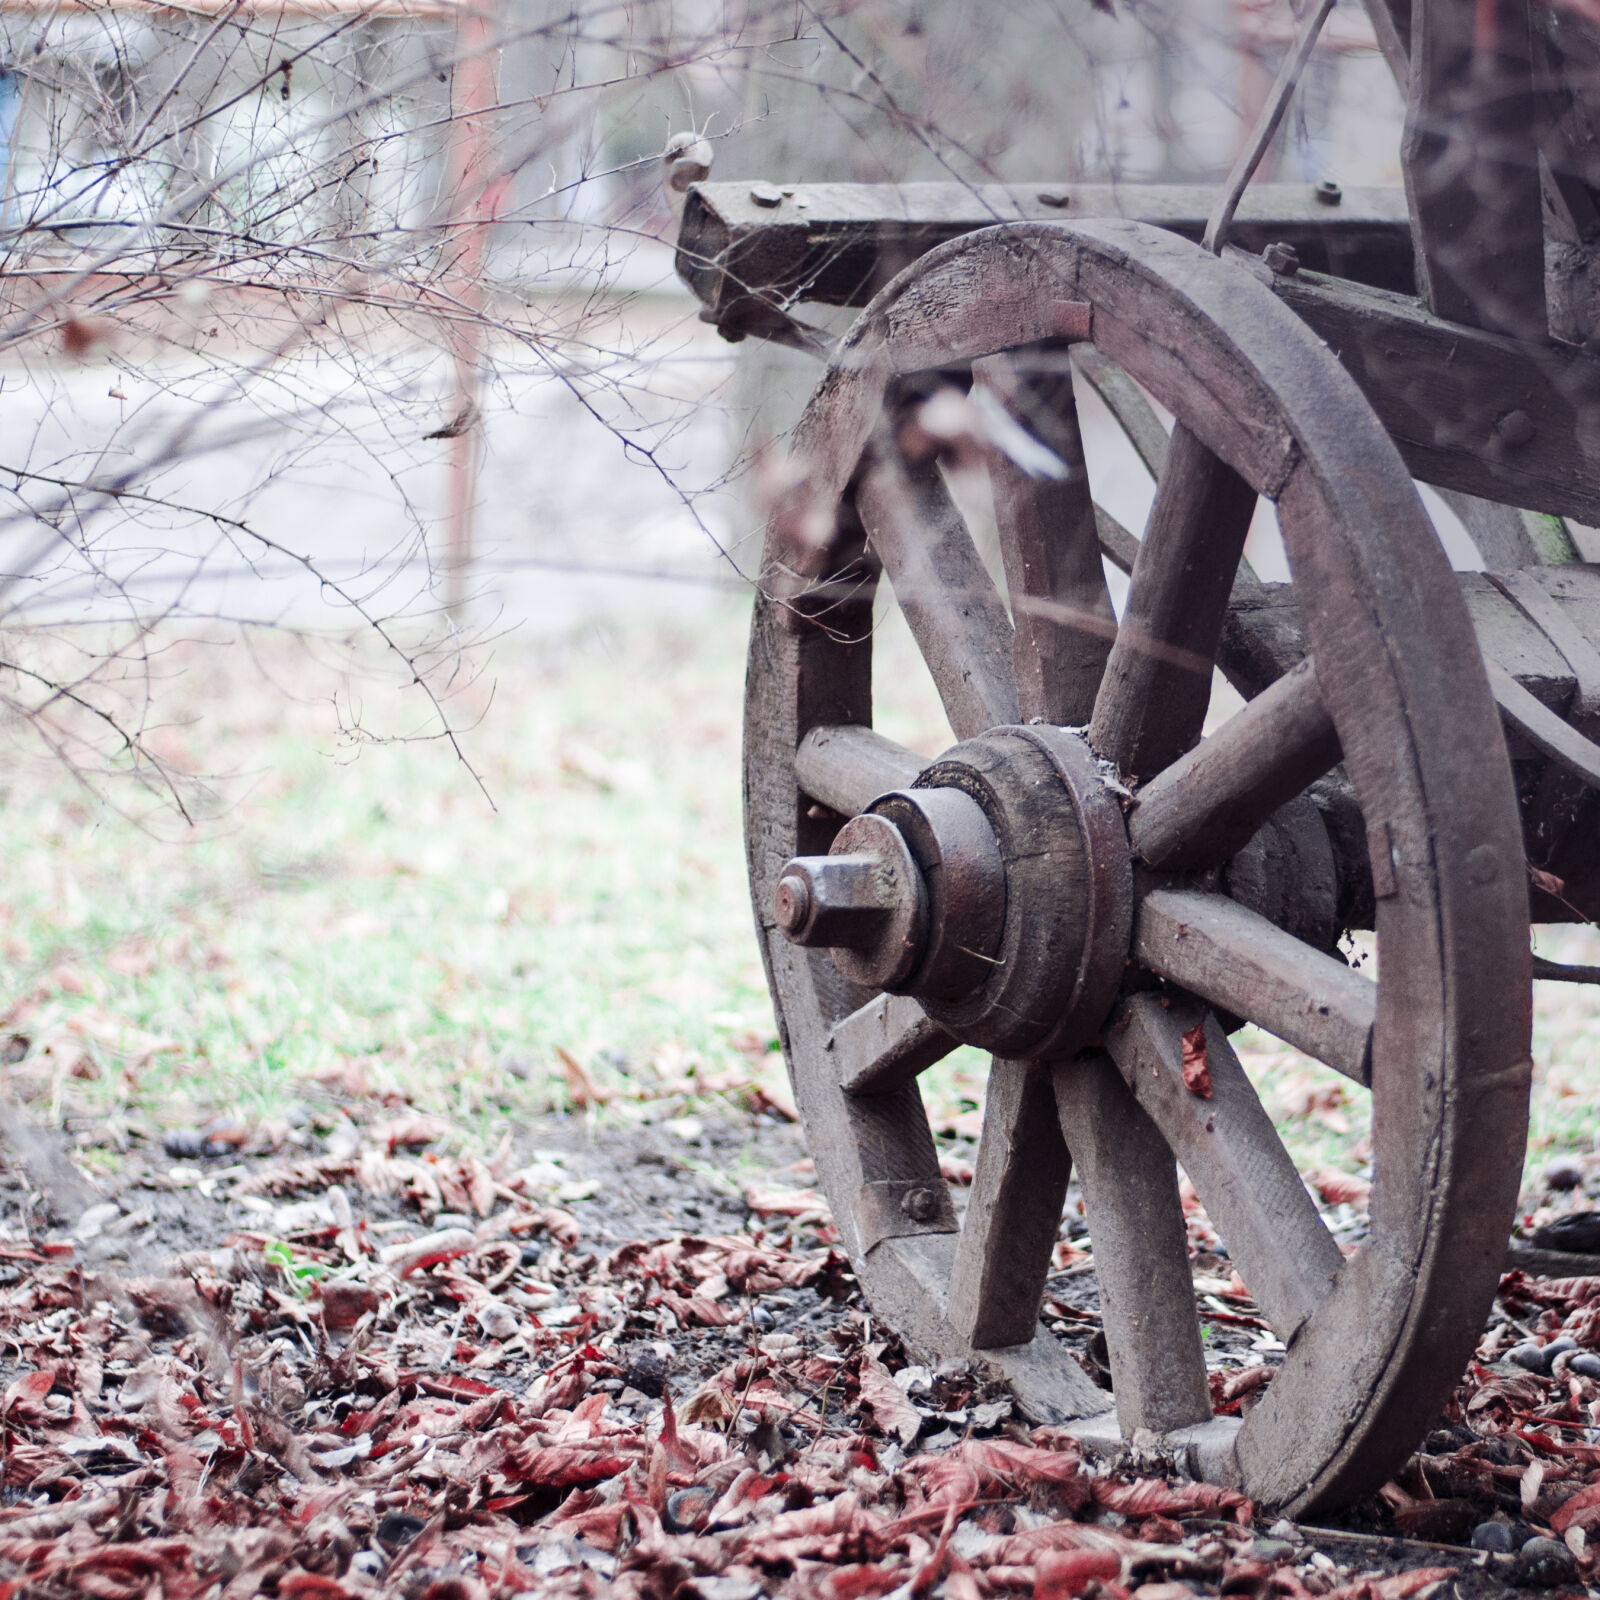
[[1282, 259], [1329, 193], [1514, 430], [792, 903], [920, 1204]]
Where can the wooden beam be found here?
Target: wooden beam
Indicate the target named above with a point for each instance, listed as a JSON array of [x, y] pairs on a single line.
[[1468, 409], [745, 246], [1227, 1144]]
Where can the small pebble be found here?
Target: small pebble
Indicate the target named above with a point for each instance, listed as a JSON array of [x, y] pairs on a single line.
[[1530, 1356], [398, 1528], [1563, 1174], [368, 1563], [1494, 1536], [760, 1317], [1578, 1233], [531, 1254], [1271, 1549], [1586, 1364], [1558, 1347], [1283, 1528], [1544, 1563]]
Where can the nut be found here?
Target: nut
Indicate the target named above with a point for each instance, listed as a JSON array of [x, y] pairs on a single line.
[[919, 1204], [766, 194], [1282, 259], [1514, 430], [792, 903], [1328, 193]]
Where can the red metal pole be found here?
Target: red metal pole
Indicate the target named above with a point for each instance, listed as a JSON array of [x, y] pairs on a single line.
[[472, 192]]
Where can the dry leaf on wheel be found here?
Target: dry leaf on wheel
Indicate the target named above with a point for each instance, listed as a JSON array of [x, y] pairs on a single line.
[[1196, 1070]]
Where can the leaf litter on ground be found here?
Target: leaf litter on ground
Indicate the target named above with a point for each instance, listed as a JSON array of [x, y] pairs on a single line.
[[406, 1368]]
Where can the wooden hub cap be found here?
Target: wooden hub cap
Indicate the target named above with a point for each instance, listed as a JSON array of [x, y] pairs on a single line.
[[997, 891]]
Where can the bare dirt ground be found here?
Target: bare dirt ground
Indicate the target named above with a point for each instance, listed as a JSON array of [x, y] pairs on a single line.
[[326, 1356]]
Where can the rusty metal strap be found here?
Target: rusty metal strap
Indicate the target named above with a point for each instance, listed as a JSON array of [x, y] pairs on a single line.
[[894, 1208], [1546, 613]]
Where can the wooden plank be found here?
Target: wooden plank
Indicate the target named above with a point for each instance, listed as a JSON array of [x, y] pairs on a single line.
[[1543, 729], [1550, 617], [847, 768], [943, 589], [839, 243], [1014, 1210], [1248, 966], [1207, 804], [1141, 1258], [1471, 160], [1061, 612], [885, 1045], [1157, 684], [1227, 1144], [1468, 409]]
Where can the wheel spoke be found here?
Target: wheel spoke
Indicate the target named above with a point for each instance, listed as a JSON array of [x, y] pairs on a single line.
[[1207, 804], [950, 603], [1250, 967], [1060, 606], [1227, 1144], [1141, 1259], [849, 766], [1014, 1212], [1157, 684], [1117, 545], [1126, 402], [885, 1045]]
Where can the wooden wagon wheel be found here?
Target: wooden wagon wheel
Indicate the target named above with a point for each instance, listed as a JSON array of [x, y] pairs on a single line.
[[1012, 895]]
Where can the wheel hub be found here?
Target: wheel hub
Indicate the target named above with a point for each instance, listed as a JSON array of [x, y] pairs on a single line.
[[997, 891]]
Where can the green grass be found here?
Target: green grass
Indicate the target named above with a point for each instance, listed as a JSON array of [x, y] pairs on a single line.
[[366, 910], [358, 914]]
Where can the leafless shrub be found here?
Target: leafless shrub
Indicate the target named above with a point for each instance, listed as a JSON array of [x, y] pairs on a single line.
[[259, 261]]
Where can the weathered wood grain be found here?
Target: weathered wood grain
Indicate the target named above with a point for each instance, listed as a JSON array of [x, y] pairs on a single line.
[[943, 589], [1549, 734], [1157, 683], [1014, 1210], [839, 243], [1227, 1144], [1250, 967], [1208, 803], [885, 1045], [1060, 607], [848, 767], [1135, 415], [1467, 408], [1141, 1259]]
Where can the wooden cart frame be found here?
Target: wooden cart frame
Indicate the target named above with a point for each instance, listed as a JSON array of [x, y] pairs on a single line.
[[1085, 887]]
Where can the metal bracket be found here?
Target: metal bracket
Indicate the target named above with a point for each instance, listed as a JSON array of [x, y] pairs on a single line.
[[894, 1208]]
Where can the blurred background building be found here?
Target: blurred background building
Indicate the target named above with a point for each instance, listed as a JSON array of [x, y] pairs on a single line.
[[324, 289]]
